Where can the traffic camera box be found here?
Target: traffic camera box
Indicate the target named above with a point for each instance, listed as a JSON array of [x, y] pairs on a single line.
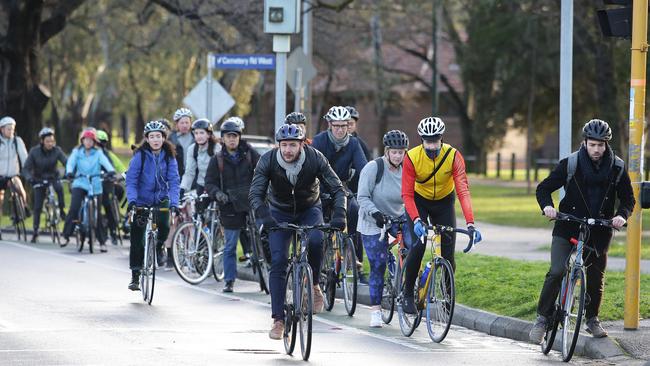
[[282, 16]]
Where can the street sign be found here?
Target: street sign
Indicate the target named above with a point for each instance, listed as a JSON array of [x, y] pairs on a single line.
[[236, 61], [298, 60], [221, 101]]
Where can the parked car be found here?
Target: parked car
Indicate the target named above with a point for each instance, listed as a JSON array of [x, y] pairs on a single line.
[[260, 143]]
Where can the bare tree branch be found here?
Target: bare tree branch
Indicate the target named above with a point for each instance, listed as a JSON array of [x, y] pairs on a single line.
[[57, 20]]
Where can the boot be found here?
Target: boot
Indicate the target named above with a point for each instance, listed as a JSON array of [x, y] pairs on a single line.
[[135, 281], [34, 237]]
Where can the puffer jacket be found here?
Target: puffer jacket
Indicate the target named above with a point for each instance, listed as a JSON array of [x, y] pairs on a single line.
[[41, 163], [88, 162], [10, 159], [152, 178]]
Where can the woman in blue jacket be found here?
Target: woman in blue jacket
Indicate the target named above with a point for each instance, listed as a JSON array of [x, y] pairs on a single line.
[[85, 161], [152, 180]]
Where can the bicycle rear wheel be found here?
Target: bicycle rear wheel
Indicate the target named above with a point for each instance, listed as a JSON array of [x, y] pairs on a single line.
[[305, 310], [92, 222], [350, 275], [328, 274], [218, 246], [79, 237], [290, 321], [191, 253], [19, 216], [440, 300], [117, 215], [388, 292], [574, 306], [259, 263], [407, 322], [148, 273]]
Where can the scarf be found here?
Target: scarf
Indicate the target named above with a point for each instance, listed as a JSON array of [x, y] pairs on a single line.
[[338, 144], [292, 169]]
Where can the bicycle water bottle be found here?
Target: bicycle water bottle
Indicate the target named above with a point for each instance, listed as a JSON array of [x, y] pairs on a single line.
[[425, 274], [391, 265], [207, 230]]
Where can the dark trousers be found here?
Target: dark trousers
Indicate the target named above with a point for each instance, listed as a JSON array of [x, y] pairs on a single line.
[[136, 252], [76, 200], [38, 199], [441, 212], [108, 190], [595, 271], [279, 243]]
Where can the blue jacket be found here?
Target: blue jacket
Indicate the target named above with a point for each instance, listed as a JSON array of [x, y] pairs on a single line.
[[92, 163], [155, 181], [351, 156]]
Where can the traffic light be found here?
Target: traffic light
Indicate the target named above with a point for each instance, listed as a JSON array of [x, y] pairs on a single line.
[[282, 16], [616, 22]]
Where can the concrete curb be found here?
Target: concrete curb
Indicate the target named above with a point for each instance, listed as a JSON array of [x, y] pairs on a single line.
[[495, 325]]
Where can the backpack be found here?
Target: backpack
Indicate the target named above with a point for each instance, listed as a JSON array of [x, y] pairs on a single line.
[[167, 157], [572, 165], [219, 157], [380, 169]]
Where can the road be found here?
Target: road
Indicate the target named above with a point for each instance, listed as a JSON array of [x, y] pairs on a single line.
[[61, 307]]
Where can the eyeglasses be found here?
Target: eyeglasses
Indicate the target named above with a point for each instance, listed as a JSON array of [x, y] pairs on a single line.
[[339, 127]]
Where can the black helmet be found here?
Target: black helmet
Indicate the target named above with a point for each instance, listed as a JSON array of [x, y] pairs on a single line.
[[597, 129], [353, 112], [289, 132], [295, 118], [396, 139], [202, 124], [230, 126]]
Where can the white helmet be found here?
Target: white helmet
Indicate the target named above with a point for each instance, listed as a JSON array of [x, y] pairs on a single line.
[[338, 113], [6, 121], [237, 120], [430, 127], [182, 112]]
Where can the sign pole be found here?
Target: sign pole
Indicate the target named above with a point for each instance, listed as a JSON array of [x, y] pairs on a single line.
[[208, 97], [297, 101], [566, 78], [281, 46]]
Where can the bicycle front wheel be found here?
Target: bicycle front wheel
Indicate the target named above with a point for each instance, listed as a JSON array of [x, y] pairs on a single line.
[[328, 275], [218, 246], [440, 300], [192, 253], [92, 224], [551, 331], [350, 275], [259, 263], [574, 306], [388, 292], [290, 321], [148, 274], [407, 322], [305, 310]]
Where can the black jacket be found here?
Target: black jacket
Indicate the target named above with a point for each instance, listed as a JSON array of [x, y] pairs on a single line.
[[237, 177], [575, 202], [41, 164], [284, 196]]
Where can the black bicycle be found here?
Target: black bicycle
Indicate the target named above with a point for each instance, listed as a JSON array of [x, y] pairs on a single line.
[[260, 262], [87, 227], [339, 269], [51, 208], [18, 212], [146, 216]]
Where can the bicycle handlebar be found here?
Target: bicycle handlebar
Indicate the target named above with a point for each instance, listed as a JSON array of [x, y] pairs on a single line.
[[445, 228], [561, 216], [389, 223], [290, 226]]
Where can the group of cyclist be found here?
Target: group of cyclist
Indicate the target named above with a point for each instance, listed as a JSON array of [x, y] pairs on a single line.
[[328, 179]]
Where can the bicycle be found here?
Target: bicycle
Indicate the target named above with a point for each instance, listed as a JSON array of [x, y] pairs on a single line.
[[86, 227], [51, 208], [192, 244], [18, 211], [261, 266], [298, 300], [393, 274], [434, 291], [148, 272], [570, 303], [116, 215], [339, 269]]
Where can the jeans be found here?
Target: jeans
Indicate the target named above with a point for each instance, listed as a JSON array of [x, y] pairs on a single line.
[[279, 244], [230, 254]]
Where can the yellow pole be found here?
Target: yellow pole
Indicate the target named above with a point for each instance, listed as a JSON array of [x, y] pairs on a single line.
[[637, 122]]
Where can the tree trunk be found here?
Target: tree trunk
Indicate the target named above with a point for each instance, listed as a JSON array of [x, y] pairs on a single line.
[[380, 94]]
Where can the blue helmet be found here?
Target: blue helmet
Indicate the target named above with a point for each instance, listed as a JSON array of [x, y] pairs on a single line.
[[289, 132]]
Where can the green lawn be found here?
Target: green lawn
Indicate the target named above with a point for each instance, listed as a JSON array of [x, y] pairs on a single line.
[[617, 248], [520, 174]]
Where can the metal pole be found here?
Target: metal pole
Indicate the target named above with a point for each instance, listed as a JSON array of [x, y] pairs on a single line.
[[297, 100], [566, 78], [208, 95], [635, 168], [307, 49], [281, 46], [434, 62]]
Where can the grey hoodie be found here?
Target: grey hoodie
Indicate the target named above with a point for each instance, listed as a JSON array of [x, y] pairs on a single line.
[[9, 158]]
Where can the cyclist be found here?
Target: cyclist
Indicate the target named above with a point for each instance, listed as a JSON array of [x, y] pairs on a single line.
[[12, 157], [228, 181], [380, 196], [600, 180], [294, 171], [152, 180], [110, 188], [431, 173], [183, 134], [352, 129], [344, 153], [41, 165], [180, 152], [86, 159], [198, 156], [298, 119]]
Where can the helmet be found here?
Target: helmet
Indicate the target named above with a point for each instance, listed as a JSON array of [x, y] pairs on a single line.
[[289, 132], [203, 124], [396, 139], [166, 123], [295, 118], [237, 120], [90, 134], [430, 127], [353, 112], [182, 112], [46, 131], [102, 136], [5, 121], [337, 113], [155, 126], [597, 129], [230, 126]]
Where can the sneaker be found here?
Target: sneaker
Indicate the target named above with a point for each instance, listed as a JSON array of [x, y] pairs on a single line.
[[538, 331], [277, 331], [34, 239], [244, 257], [102, 248], [248, 263], [28, 212], [595, 328], [114, 240], [363, 278], [160, 256], [408, 305], [135, 281], [375, 319], [66, 241], [319, 301], [228, 287], [170, 264]]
